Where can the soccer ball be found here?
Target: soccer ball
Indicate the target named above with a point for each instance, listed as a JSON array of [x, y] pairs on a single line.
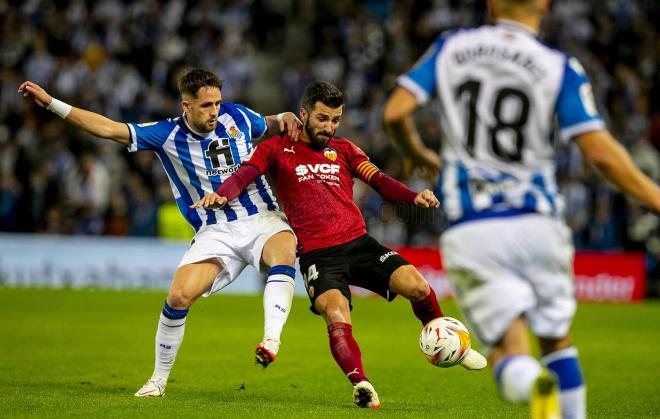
[[444, 342]]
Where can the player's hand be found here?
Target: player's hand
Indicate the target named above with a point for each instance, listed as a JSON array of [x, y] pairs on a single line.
[[427, 162], [212, 200], [427, 199], [36, 92], [291, 124]]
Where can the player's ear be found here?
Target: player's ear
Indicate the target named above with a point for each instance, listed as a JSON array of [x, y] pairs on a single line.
[[303, 115], [185, 105]]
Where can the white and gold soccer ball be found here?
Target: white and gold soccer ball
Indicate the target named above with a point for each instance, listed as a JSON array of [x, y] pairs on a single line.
[[445, 342]]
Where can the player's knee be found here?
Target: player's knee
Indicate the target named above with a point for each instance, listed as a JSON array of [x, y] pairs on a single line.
[[332, 309], [179, 300], [549, 345], [333, 315], [412, 286], [420, 290], [280, 250], [288, 256]]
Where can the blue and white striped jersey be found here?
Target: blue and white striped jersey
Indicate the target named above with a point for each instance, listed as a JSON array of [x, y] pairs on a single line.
[[197, 165], [501, 95]]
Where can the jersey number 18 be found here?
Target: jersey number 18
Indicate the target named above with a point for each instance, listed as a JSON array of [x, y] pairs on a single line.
[[471, 88]]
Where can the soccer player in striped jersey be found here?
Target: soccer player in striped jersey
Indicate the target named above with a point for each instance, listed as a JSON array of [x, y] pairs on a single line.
[[314, 181], [199, 150], [507, 249]]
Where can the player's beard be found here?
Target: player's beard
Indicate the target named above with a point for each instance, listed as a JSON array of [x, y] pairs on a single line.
[[315, 140]]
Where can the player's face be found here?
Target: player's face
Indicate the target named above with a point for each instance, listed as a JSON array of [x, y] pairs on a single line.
[[202, 110], [321, 124]]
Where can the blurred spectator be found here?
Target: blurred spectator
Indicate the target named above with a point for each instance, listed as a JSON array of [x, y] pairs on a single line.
[[122, 59]]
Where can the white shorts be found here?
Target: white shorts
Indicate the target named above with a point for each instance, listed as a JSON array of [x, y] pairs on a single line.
[[506, 267], [235, 244]]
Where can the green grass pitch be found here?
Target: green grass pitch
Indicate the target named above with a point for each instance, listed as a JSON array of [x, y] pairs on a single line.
[[84, 353]]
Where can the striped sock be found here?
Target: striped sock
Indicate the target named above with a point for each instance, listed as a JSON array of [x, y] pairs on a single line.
[[572, 391], [515, 376], [171, 325]]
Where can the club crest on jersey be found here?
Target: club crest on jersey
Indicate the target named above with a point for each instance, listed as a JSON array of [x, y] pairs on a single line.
[[330, 153], [234, 133]]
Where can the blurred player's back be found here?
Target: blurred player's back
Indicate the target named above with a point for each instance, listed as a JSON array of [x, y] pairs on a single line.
[[507, 250], [499, 88]]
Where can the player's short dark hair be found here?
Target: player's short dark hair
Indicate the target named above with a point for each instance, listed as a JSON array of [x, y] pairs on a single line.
[[324, 92], [197, 78]]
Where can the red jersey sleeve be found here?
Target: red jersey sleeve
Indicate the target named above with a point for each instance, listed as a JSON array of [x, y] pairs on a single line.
[[360, 165], [389, 188]]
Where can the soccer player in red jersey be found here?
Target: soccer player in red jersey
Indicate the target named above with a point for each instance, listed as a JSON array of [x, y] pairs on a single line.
[[314, 182]]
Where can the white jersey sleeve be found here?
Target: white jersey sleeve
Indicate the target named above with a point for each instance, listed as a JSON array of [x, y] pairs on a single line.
[[576, 108], [421, 80]]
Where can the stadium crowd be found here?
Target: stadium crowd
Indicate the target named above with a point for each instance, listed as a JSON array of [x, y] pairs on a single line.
[[122, 59]]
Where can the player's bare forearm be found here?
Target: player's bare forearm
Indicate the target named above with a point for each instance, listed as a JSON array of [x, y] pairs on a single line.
[[405, 136], [91, 122], [615, 164], [400, 128], [284, 123], [398, 122], [100, 126]]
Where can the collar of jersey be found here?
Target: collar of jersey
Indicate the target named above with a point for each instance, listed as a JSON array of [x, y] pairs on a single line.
[[309, 145], [515, 25], [186, 128]]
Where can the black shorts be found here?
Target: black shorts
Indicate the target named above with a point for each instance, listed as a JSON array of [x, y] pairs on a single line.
[[362, 262]]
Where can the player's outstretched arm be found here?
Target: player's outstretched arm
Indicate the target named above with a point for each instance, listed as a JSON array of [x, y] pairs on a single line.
[[256, 164], [391, 189], [400, 128], [235, 185], [283, 123], [614, 162], [91, 122]]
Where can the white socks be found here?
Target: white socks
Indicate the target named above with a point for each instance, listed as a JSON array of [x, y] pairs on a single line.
[[572, 391], [171, 325], [515, 376], [278, 294]]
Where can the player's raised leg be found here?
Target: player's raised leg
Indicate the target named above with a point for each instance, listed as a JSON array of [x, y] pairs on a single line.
[[408, 282], [189, 283], [335, 309], [279, 254], [561, 358]]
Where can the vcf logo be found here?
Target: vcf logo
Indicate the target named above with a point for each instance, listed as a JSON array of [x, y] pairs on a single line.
[[303, 169], [215, 149]]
